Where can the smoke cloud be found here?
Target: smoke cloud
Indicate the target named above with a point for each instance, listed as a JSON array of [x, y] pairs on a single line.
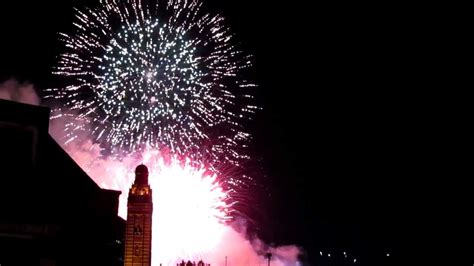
[[13, 90], [244, 251]]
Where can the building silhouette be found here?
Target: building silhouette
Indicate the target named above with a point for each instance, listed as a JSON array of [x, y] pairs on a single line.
[[51, 212], [139, 215]]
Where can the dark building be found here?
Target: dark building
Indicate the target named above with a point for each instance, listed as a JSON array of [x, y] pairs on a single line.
[[139, 217], [51, 211]]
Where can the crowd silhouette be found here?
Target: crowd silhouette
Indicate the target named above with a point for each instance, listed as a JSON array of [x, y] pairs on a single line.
[[189, 263]]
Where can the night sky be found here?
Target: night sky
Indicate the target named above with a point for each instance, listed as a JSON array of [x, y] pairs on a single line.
[[352, 135]]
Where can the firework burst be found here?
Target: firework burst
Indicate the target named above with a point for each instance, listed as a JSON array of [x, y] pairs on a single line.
[[161, 84], [145, 81], [156, 76]]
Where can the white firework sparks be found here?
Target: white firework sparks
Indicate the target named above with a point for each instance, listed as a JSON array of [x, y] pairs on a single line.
[[151, 76]]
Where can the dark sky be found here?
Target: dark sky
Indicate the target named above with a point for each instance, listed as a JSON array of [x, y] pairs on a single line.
[[352, 132]]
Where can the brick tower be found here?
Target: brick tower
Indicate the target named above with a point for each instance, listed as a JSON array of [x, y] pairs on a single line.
[[138, 229]]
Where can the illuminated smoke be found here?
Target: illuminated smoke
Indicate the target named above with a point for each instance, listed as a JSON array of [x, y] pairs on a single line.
[[18, 92]]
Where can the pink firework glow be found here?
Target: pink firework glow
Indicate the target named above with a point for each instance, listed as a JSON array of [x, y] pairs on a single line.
[[190, 207]]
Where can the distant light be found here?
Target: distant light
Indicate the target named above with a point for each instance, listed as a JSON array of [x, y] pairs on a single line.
[[320, 253], [388, 254], [355, 260], [329, 255]]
